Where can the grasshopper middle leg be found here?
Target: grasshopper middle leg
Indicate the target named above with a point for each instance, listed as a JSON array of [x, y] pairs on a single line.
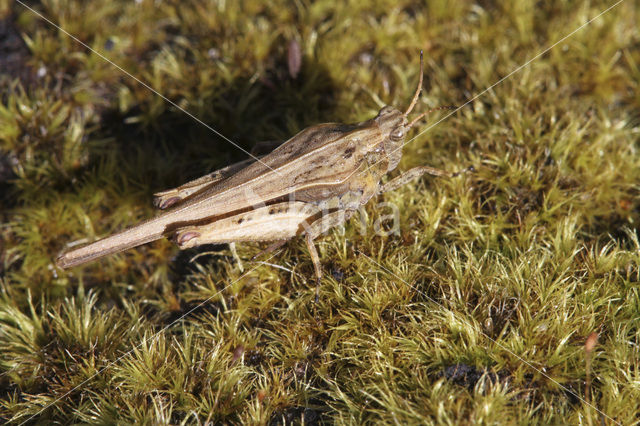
[[317, 228]]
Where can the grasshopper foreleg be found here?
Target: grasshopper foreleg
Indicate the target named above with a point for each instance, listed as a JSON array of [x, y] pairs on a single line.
[[415, 173]]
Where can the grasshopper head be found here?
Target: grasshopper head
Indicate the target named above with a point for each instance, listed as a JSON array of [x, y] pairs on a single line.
[[395, 125]]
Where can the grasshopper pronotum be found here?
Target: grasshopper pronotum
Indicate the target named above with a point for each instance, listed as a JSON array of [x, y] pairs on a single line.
[[314, 181]]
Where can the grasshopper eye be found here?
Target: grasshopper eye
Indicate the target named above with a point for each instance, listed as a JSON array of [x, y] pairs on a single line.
[[397, 133]]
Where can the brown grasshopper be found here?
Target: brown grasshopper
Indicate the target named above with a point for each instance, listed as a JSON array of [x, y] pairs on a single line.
[[314, 181]]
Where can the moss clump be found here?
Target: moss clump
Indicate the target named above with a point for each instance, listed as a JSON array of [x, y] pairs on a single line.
[[476, 310]]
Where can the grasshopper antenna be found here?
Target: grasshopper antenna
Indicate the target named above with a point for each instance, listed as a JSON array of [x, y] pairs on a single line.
[[418, 90], [421, 116]]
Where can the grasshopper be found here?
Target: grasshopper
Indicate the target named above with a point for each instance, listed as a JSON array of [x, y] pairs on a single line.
[[314, 181]]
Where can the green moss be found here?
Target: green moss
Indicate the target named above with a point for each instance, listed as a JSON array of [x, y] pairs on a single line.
[[477, 310]]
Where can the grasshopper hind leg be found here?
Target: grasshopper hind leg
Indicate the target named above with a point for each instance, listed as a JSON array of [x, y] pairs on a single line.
[[169, 197], [277, 222]]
